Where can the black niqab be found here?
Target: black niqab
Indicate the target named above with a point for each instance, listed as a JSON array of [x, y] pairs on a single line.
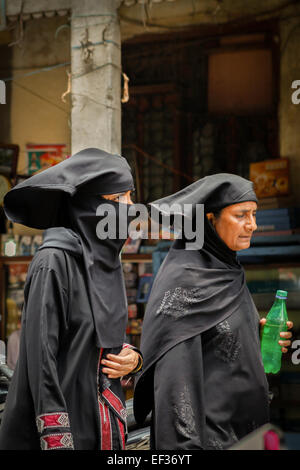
[[103, 266], [68, 195]]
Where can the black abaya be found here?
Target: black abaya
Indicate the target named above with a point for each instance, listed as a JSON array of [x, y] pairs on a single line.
[[75, 309], [203, 376], [58, 397], [220, 393]]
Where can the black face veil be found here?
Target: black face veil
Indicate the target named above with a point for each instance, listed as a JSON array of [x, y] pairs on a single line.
[[69, 195]]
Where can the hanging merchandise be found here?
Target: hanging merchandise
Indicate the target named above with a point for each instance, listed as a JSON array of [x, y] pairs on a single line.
[[44, 156], [271, 177]]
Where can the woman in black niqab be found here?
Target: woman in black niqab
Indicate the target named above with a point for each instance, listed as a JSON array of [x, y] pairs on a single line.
[[75, 310], [203, 377]]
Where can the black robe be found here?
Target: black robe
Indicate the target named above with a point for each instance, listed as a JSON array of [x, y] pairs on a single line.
[[210, 390], [69, 195], [203, 375], [58, 397]]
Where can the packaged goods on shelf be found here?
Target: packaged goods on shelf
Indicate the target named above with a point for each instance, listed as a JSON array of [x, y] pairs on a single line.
[[131, 295], [24, 245], [276, 202], [144, 268], [130, 279], [270, 177], [132, 310], [278, 219], [131, 245], [144, 289]]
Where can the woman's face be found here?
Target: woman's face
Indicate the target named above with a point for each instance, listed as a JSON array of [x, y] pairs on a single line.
[[124, 198], [236, 224]]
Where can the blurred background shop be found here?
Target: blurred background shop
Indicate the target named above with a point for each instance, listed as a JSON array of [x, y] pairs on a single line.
[[181, 88]]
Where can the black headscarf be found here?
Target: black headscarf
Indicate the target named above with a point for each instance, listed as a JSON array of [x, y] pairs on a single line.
[[214, 191], [68, 195], [194, 290]]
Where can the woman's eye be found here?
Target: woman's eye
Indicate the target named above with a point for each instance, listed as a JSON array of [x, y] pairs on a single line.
[[121, 199]]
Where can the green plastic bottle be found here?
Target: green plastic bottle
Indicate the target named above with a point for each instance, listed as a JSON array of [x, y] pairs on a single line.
[[275, 324]]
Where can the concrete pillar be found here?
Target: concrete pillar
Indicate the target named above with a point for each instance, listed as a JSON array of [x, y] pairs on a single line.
[[96, 75]]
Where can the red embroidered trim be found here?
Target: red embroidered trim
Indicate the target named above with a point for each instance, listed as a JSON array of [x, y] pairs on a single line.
[[105, 424], [57, 441], [51, 420], [106, 433], [115, 403], [126, 345]]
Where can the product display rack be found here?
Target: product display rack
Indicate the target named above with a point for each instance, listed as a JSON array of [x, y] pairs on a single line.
[[6, 261]]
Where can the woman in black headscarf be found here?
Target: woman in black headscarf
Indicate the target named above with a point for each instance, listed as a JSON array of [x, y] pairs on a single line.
[[66, 391], [203, 377]]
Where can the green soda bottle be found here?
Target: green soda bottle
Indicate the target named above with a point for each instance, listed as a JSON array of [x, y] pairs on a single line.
[[275, 324]]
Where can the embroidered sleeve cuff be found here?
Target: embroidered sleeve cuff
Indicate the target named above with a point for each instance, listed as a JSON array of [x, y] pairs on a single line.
[[57, 441], [54, 430]]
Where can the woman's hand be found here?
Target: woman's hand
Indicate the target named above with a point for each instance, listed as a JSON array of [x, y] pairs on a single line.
[[284, 334], [118, 365]]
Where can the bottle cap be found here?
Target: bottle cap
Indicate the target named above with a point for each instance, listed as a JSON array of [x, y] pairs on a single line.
[[281, 294]]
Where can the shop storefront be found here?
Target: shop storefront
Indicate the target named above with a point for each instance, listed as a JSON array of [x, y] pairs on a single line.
[[201, 99]]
